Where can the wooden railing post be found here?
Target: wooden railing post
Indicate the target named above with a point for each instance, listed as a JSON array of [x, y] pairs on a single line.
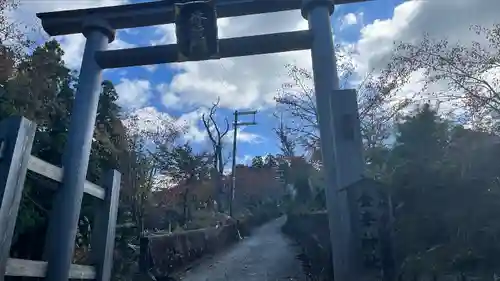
[[103, 235], [16, 140]]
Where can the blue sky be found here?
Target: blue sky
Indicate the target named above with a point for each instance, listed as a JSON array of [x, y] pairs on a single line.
[[182, 92], [267, 143]]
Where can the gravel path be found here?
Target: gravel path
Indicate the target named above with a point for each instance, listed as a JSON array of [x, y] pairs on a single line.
[[266, 255]]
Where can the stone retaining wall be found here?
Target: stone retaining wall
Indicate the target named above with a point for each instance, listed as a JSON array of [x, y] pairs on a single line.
[[170, 252], [165, 254]]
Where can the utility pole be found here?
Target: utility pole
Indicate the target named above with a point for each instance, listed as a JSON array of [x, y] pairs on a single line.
[[236, 124]]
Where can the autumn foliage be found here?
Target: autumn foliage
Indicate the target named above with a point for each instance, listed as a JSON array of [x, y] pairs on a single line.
[[255, 185]]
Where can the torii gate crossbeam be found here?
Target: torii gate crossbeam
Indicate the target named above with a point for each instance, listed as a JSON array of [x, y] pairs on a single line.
[[156, 13], [231, 47], [99, 25]]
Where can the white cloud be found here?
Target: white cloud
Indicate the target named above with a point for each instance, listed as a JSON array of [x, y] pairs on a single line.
[[250, 82], [350, 19], [246, 82], [165, 35], [169, 99], [26, 13], [149, 119], [412, 19], [410, 22], [133, 93], [73, 44], [195, 132], [246, 159], [377, 39], [243, 136], [120, 44], [151, 68]]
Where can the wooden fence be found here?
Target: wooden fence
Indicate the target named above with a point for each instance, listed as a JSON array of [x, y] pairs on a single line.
[[16, 139]]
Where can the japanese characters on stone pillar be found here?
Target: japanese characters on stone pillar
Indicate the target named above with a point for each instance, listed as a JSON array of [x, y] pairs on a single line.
[[196, 30], [371, 215]]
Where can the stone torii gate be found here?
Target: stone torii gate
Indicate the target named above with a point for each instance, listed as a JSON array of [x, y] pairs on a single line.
[[337, 109]]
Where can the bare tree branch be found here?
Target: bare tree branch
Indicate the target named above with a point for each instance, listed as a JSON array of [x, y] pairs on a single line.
[[216, 136], [466, 72], [297, 106]]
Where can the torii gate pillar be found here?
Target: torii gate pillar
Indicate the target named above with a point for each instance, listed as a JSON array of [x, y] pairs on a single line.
[[68, 198], [326, 87]]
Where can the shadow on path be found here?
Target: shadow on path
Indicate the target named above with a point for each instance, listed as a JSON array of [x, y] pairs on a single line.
[[267, 255]]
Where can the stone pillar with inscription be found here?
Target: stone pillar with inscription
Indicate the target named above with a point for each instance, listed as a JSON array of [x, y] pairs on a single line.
[[371, 221], [369, 218]]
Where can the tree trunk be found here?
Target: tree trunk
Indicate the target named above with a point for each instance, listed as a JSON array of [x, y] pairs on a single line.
[[218, 173], [218, 190], [219, 159]]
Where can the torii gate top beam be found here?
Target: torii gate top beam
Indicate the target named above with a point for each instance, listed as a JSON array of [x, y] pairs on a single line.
[[156, 13]]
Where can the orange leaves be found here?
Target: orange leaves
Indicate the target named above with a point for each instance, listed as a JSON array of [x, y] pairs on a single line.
[[256, 184], [6, 64]]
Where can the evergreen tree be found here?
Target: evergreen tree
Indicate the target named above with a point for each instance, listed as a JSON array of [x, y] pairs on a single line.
[[257, 162]]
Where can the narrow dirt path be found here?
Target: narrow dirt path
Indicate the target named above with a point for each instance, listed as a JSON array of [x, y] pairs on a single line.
[[267, 255]]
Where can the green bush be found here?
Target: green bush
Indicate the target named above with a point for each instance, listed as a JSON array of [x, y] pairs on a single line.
[[311, 233]]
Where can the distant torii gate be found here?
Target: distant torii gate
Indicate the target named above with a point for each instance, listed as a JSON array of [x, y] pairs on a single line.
[[337, 109]]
